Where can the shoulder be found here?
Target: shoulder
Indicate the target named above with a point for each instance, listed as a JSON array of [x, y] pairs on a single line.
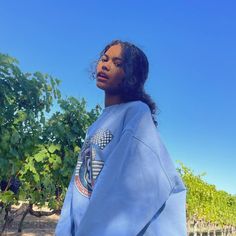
[[137, 117], [137, 106], [135, 111]]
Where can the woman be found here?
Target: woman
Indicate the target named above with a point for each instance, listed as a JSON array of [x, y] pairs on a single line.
[[125, 183]]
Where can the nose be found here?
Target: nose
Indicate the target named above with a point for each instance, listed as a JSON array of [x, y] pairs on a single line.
[[106, 66]]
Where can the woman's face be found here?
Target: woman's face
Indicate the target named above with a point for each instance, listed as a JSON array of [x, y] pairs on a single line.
[[110, 72]]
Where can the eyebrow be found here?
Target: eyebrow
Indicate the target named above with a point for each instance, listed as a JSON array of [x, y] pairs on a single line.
[[115, 58]]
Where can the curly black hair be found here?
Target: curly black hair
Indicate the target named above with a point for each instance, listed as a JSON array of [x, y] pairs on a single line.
[[136, 68]]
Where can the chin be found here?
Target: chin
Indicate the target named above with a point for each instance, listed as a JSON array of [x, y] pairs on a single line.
[[100, 85]]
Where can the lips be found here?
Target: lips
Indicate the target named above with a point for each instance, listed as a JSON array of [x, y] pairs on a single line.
[[102, 75]]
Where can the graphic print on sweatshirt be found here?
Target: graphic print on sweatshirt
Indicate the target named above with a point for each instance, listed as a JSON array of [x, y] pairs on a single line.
[[88, 168]]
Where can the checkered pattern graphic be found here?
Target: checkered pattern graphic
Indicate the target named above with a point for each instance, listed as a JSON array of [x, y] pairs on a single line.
[[102, 138]]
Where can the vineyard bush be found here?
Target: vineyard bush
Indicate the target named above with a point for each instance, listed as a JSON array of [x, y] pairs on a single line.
[[37, 155]]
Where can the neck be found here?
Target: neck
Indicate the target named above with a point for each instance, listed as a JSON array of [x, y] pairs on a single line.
[[111, 99]]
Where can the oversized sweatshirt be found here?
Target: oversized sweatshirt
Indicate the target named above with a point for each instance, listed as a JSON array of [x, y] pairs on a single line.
[[125, 183]]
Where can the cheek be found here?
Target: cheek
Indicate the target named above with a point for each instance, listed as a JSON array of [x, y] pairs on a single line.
[[99, 65], [120, 76], [118, 82], [119, 73]]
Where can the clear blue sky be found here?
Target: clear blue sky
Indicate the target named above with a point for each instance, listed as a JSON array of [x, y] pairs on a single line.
[[191, 46]]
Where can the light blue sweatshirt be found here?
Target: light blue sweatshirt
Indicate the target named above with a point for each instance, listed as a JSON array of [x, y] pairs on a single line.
[[125, 183]]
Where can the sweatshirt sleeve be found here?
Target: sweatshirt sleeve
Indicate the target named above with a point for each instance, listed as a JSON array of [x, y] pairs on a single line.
[[131, 188], [64, 225]]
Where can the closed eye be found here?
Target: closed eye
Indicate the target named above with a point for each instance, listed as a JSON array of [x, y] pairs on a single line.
[[103, 59], [118, 64]]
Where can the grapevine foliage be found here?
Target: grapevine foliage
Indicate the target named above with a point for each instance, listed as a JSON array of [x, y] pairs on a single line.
[[205, 202], [37, 155]]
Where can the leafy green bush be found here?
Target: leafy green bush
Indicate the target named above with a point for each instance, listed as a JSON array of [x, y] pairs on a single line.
[[37, 155]]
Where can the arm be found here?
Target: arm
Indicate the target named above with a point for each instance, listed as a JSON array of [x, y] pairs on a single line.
[[64, 225], [129, 191]]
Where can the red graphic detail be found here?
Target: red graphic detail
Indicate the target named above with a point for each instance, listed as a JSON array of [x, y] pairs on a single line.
[[81, 188]]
